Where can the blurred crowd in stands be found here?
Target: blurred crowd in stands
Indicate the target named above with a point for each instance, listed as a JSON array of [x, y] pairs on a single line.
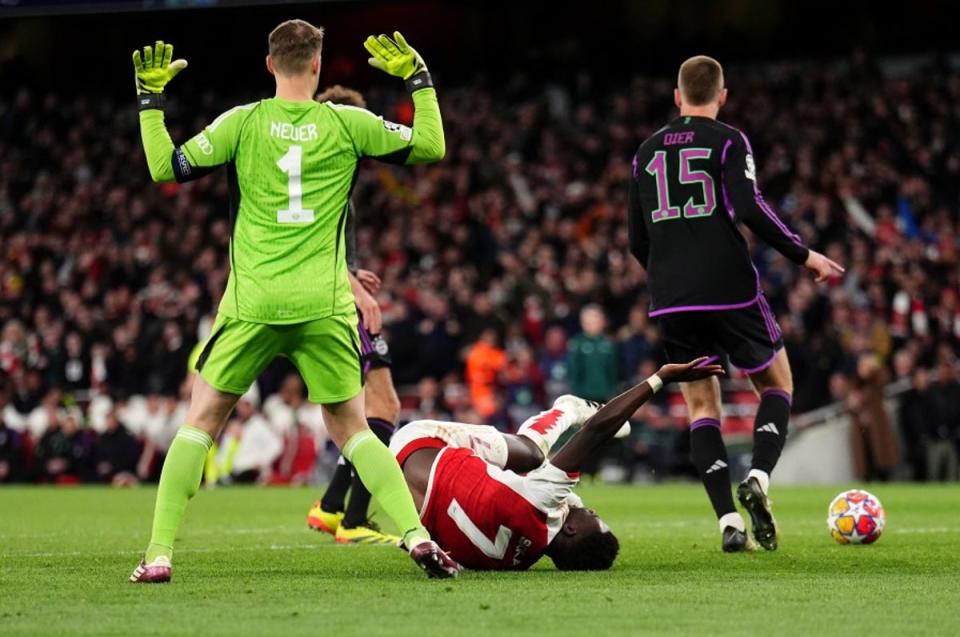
[[507, 278]]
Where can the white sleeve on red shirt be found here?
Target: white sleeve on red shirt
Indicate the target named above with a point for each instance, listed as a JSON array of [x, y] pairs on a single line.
[[550, 487]]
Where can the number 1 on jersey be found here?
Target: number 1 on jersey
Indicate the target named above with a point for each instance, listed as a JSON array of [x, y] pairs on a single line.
[[291, 164]]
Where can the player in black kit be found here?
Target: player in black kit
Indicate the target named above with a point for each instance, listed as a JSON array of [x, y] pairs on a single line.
[[693, 180]]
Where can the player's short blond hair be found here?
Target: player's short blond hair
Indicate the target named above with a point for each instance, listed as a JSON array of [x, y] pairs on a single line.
[[342, 95], [293, 44], [700, 80]]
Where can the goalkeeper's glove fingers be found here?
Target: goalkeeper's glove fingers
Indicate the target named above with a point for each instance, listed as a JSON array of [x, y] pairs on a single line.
[[394, 56], [401, 42], [156, 67]]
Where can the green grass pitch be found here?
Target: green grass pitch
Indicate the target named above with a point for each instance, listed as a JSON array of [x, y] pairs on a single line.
[[247, 565]]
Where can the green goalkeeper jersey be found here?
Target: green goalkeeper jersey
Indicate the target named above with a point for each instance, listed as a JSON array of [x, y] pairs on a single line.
[[291, 167]]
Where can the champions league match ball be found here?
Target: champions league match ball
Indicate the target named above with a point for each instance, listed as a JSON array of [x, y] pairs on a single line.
[[856, 517]]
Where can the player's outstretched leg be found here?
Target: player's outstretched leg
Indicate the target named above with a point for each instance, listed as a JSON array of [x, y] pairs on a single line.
[[180, 478], [381, 474], [709, 456], [775, 386], [567, 411]]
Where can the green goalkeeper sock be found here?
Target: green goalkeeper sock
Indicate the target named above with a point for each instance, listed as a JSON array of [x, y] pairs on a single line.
[[380, 473], [179, 481]]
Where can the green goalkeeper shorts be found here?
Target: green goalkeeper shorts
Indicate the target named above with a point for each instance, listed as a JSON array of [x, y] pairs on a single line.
[[325, 351]]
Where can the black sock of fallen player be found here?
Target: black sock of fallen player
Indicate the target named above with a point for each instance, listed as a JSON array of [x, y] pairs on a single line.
[[356, 514], [709, 456], [770, 429], [336, 494]]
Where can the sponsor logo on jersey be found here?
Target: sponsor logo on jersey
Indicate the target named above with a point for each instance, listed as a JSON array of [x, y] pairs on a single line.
[[183, 164], [406, 133], [751, 170], [522, 545]]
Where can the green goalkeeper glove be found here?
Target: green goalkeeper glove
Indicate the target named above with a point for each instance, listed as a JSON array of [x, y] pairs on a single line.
[[395, 56], [154, 70]]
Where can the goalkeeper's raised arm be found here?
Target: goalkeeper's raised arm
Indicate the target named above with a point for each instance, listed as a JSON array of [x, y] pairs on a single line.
[[152, 71], [395, 143], [214, 146]]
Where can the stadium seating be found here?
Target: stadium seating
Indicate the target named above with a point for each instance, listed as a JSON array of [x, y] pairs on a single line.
[[107, 282]]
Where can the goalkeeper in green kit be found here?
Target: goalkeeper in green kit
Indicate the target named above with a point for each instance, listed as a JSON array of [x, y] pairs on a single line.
[[291, 163]]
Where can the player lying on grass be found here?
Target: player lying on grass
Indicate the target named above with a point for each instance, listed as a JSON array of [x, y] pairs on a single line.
[[494, 503], [291, 163]]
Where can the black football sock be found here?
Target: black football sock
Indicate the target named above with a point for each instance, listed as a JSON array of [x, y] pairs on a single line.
[[336, 494], [356, 513], [709, 456], [770, 429], [383, 428]]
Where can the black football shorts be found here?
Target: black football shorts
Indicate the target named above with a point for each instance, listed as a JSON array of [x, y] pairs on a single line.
[[748, 337]]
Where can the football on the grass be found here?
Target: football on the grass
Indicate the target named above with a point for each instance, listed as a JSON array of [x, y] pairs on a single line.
[[856, 517]]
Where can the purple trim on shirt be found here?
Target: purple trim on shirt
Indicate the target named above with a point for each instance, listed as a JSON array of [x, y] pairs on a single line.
[[634, 164], [774, 218], [702, 308], [723, 154], [763, 204], [777, 392], [704, 422], [723, 185], [754, 370]]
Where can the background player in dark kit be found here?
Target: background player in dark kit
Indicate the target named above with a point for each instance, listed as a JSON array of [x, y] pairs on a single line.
[[346, 518], [692, 181]]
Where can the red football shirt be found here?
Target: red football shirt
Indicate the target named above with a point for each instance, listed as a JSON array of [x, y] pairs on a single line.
[[491, 519]]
